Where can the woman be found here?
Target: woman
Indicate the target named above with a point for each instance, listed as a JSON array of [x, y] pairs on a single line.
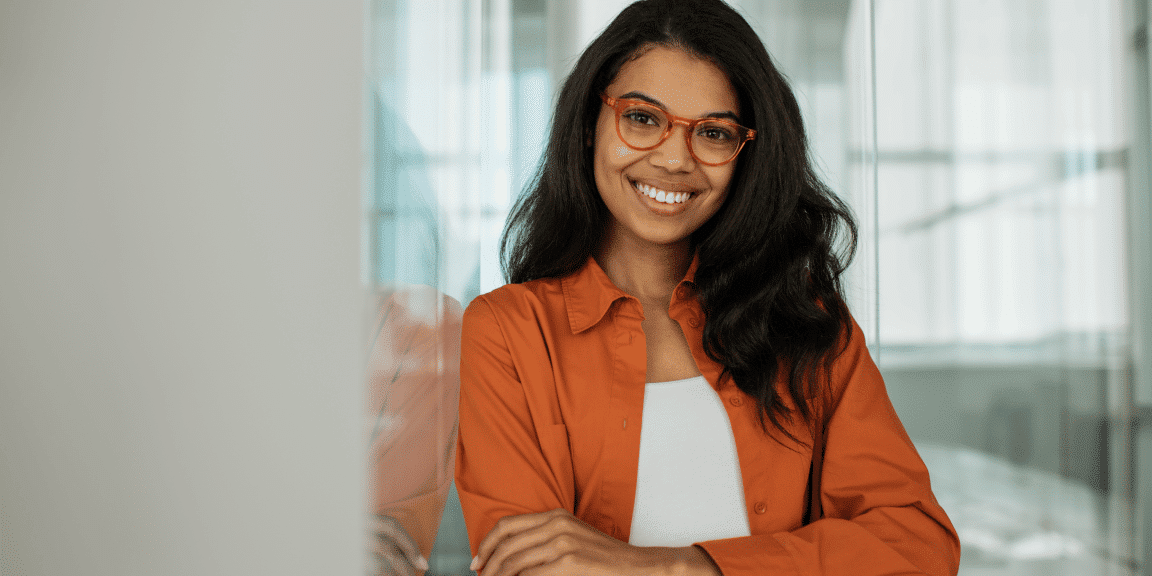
[[646, 397]]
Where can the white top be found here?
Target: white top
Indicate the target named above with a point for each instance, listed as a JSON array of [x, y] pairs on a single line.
[[688, 486]]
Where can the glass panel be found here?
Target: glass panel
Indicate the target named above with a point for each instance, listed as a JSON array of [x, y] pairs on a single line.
[[442, 160], [1004, 326], [986, 149]]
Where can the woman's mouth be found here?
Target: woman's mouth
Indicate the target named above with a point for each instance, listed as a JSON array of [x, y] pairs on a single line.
[[663, 196]]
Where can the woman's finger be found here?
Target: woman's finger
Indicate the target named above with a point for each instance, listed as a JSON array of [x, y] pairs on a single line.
[[389, 552], [555, 535], [388, 532], [508, 527], [389, 561], [549, 550]]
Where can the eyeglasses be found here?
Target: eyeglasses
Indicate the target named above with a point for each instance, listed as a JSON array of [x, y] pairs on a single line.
[[711, 141]]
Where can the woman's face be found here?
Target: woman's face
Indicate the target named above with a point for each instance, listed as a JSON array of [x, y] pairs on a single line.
[[683, 86]]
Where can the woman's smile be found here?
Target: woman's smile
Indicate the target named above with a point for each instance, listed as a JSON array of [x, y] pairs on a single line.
[[662, 193], [669, 199]]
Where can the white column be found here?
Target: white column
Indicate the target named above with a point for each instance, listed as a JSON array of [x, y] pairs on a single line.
[[181, 314]]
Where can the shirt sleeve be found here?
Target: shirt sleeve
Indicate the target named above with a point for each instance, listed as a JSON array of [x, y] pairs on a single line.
[[880, 516], [509, 460]]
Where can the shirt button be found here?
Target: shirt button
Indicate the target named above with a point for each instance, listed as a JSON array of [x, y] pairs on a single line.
[[683, 292], [761, 507], [693, 322], [736, 401], [624, 424]]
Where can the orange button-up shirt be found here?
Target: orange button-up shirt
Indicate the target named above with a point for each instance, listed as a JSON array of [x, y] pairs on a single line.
[[552, 393]]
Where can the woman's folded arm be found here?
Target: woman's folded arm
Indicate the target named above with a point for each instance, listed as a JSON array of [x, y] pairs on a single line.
[[501, 466], [880, 516]]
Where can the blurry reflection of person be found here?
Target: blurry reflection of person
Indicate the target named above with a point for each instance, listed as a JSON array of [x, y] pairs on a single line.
[[414, 386]]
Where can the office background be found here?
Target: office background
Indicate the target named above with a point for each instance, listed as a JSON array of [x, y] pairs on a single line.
[[197, 200]]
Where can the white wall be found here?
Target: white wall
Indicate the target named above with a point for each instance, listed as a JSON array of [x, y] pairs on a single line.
[[181, 315]]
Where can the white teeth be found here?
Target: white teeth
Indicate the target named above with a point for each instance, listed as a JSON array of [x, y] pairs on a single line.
[[662, 196]]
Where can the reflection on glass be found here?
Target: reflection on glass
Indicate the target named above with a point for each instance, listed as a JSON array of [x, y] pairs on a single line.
[[413, 395]]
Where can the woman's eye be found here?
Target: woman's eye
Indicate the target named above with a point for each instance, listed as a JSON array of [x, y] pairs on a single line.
[[716, 133], [641, 117]]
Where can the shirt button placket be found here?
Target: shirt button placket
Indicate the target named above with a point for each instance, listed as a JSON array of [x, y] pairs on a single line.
[[624, 338]]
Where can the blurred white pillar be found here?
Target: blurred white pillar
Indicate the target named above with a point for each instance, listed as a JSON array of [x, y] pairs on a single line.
[[181, 315]]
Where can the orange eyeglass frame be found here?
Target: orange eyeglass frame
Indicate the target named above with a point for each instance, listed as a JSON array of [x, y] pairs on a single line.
[[618, 105]]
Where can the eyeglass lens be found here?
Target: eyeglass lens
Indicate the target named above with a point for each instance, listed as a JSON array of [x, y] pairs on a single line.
[[642, 126]]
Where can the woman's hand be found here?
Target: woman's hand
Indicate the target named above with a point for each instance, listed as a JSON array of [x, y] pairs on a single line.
[[392, 552], [557, 543]]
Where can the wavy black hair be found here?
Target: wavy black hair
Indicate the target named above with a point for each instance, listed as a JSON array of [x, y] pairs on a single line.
[[770, 258]]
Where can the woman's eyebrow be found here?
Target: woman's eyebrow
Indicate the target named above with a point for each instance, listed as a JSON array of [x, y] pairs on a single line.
[[634, 95]]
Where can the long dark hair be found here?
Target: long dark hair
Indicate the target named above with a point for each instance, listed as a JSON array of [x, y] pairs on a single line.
[[769, 273]]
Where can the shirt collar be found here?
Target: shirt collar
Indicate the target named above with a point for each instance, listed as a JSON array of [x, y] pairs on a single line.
[[589, 293]]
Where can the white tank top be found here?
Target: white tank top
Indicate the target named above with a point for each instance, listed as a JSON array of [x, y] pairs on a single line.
[[688, 485]]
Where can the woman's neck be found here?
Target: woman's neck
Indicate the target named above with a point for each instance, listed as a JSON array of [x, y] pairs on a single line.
[[645, 270]]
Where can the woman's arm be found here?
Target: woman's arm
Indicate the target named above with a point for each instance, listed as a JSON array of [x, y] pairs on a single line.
[[880, 516], [557, 543], [509, 461]]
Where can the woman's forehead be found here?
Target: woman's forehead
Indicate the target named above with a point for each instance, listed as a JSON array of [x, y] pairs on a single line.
[[685, 84]]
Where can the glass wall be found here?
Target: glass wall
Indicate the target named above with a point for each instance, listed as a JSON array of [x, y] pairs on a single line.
[[994, 152], [1003, 160]]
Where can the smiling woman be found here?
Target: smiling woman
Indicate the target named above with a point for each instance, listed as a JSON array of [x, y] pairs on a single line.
[[661, 194], [655, 390]]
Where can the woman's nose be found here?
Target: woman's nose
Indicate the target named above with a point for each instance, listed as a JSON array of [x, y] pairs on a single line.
[[674, 154]]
